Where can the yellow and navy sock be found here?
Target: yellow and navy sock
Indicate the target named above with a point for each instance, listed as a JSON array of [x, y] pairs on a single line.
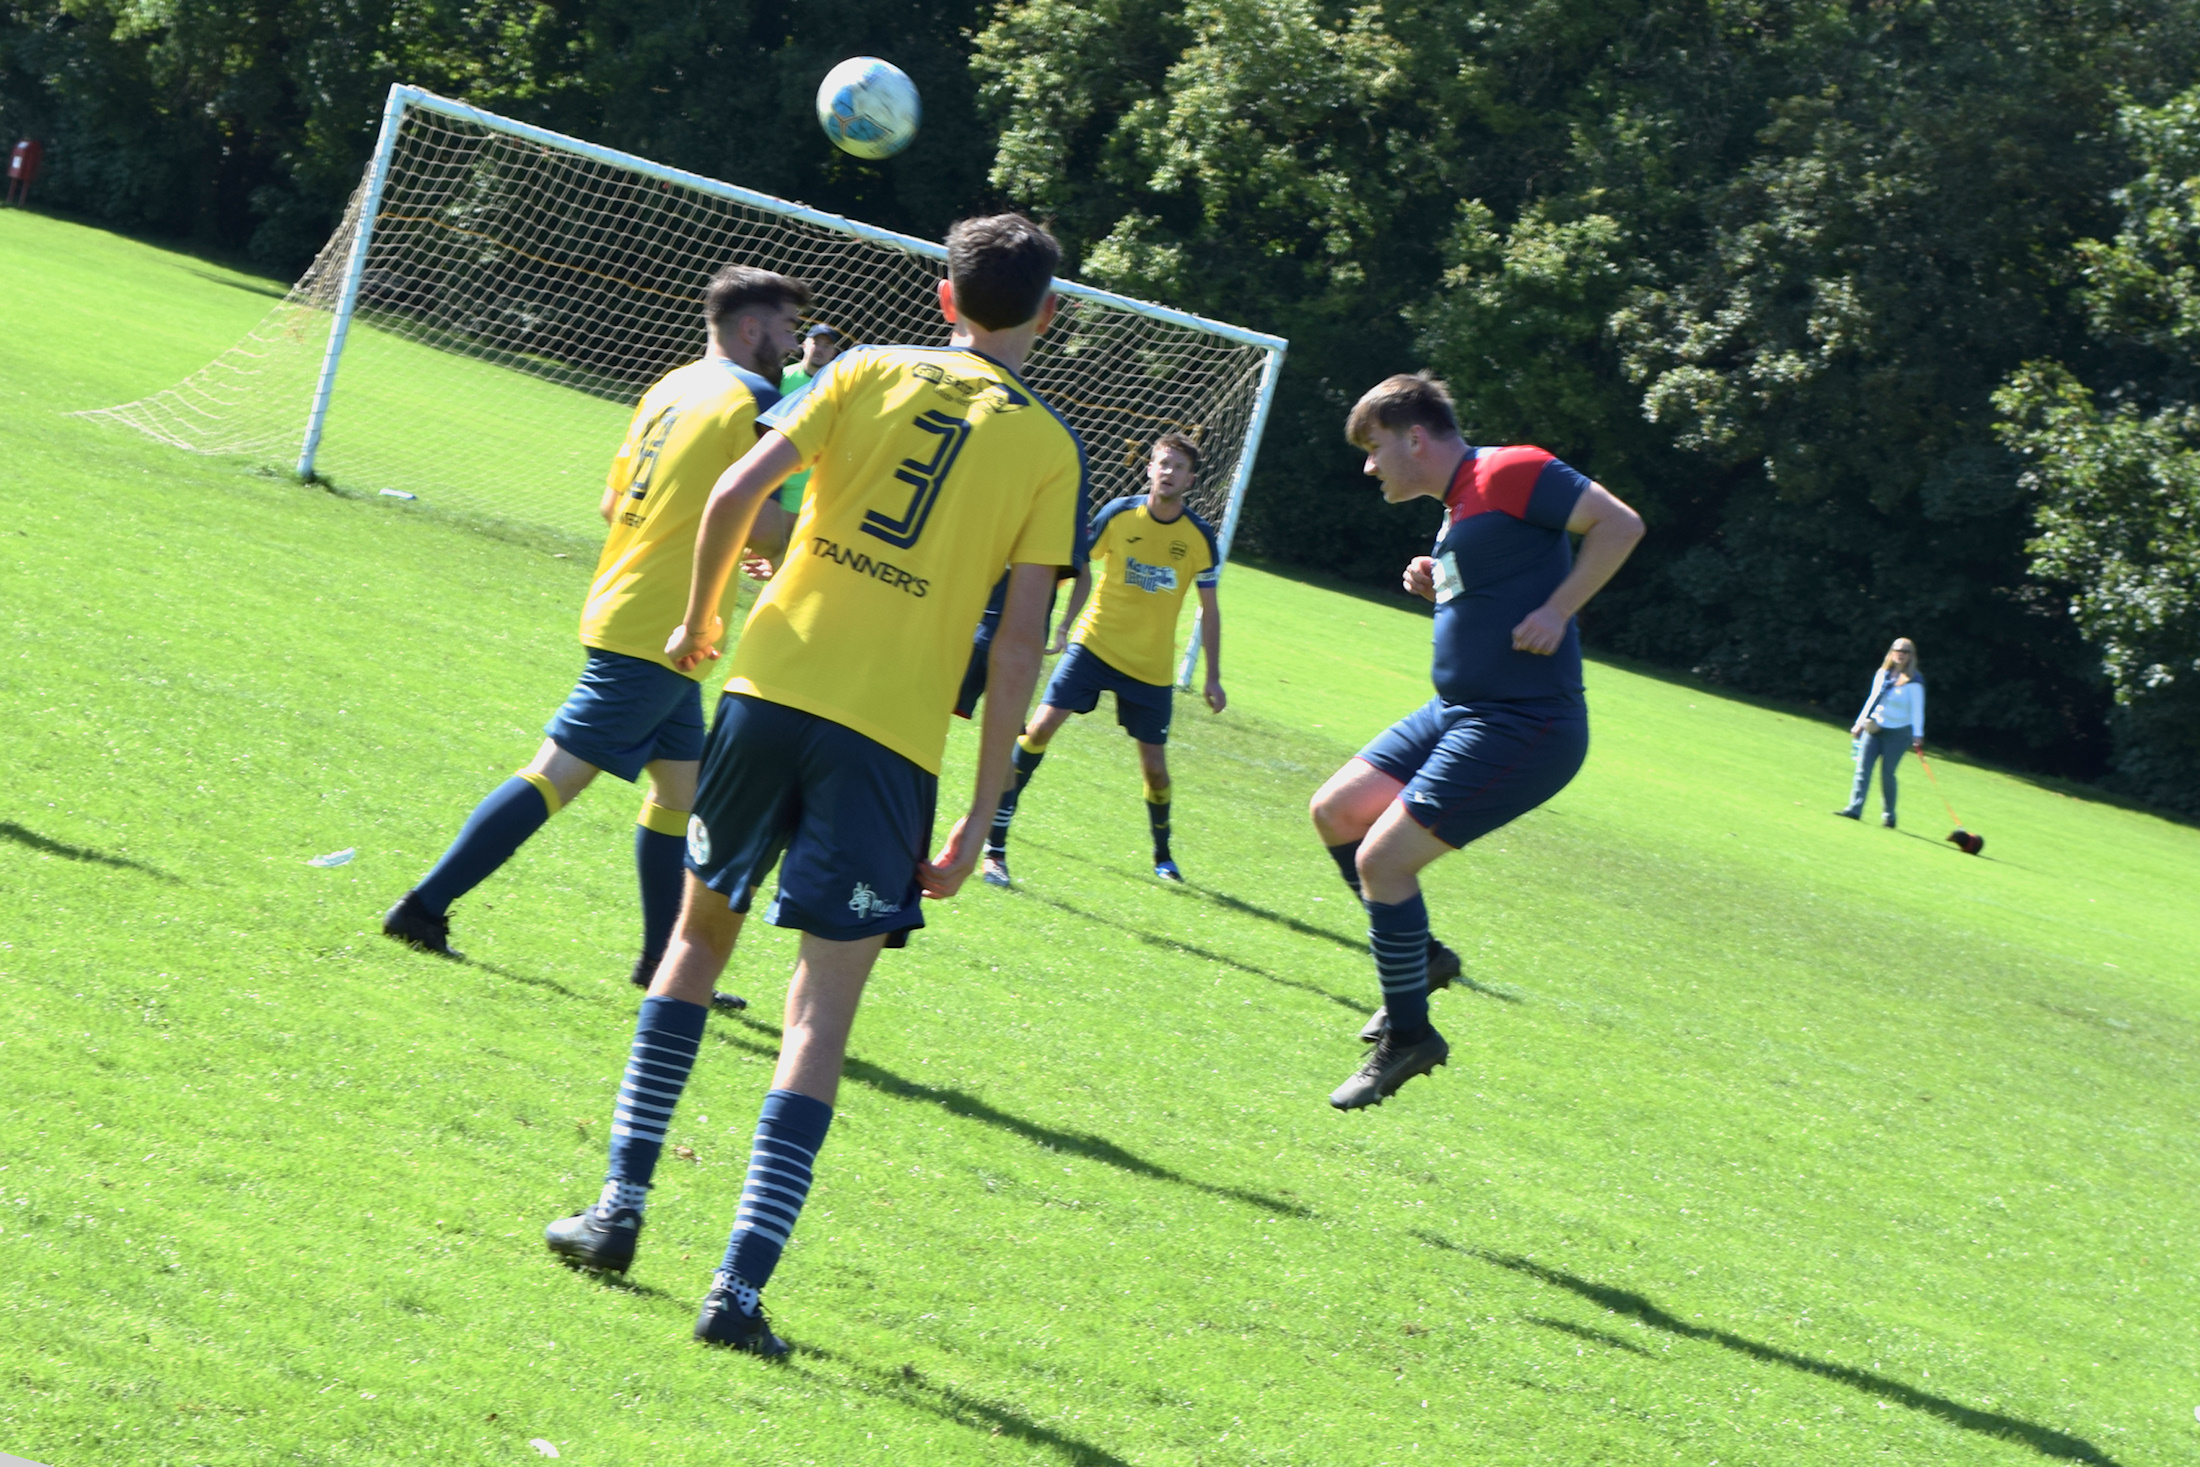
[[789, 1133], [500, 825], [667, 1033], [1397, 935], [1347, 857], [660, 865], [1024, 759], [1157, 816]]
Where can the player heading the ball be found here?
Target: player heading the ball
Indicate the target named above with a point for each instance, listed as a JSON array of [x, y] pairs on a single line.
[[1150, 550], [933, 469], [634, 710], [1508, 726]]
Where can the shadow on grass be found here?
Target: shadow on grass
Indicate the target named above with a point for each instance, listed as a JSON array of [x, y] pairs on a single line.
[[1593, 1336], [1307, 929], [949, 1404], [531, 980], [24, 836], [1172, 944], [1073, 1143], [1246, 909], [2045, 1440], [620, 1283], [267, 288]]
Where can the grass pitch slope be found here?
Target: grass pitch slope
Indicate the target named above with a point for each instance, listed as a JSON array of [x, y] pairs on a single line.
[[1767, 1138]]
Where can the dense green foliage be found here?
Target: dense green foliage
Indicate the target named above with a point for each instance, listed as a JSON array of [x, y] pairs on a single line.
[[1767, 1138], [1761, 267], [2118, 487]]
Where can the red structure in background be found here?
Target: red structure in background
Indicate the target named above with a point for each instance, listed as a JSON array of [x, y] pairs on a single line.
[[23, 169]]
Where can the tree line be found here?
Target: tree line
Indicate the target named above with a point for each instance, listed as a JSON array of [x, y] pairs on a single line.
[[1883, 312]]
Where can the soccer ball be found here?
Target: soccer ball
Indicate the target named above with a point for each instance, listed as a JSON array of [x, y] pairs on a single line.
[[868, 107]]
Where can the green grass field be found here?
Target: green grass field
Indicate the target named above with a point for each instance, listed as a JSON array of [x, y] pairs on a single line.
[[1767, 1138]]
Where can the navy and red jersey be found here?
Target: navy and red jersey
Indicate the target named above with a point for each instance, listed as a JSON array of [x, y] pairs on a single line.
[[1501, 553]]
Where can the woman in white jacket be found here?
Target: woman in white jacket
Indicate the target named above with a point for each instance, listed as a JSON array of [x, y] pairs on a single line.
[[1893, 719]]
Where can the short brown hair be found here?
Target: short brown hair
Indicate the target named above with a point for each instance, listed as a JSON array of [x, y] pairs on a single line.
[[1408, 400], [1002, 267], [740, 288], [1182, 443]]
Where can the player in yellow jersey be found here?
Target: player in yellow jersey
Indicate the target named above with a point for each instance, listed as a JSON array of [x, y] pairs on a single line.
[[1149, 550], [933, 470], [633, 709]]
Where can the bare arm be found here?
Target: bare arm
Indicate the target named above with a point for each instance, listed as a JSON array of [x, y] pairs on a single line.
[[718, 540], [610, 501], [1210, 644], [1077, 595], [1608, 531], [1012, 671]]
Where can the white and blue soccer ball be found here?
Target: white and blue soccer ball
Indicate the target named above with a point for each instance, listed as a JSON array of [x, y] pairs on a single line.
[[868, 107]]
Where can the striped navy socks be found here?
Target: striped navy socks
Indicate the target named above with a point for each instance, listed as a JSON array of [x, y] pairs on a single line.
[[788, 1135], [666, 1036], [1397, 934]]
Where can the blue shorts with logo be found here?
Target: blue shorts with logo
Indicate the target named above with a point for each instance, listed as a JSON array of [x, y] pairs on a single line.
[[845, 818], [1469, 769], [627, 711], [1083, 675]]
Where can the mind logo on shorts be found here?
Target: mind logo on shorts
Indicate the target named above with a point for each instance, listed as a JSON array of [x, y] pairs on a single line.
[[698, 841], [866, 904]]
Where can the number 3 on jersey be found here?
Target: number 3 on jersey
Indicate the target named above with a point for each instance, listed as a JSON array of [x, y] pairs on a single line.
[[924, 480]]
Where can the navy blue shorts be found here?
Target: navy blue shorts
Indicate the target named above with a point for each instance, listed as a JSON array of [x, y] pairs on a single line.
[[627, 711], [850, 816], [1083, 675], [1469, 770]]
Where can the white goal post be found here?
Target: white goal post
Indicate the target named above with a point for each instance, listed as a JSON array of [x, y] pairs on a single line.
[[499, 295]]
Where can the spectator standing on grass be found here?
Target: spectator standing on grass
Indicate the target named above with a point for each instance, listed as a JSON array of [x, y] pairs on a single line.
[[1893, 719], [635, 712]]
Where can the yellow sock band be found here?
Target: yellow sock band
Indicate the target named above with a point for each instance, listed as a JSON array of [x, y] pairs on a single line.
[[549, 791], [665, 822], [1023, 741], [1159, 796]]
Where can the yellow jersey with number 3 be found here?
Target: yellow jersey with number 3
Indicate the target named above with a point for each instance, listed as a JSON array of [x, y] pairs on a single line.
[[698, 420], [932, 469]]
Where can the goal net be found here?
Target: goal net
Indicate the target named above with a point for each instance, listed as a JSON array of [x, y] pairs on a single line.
[[499, 296]]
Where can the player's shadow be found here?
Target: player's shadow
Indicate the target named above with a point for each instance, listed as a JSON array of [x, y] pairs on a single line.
[[2045, 1440], [24, 836], [1356, 946], [1593, 1336], [1308, 929], [909, 1386], [530, 979], [1073, 1143], [1173, 944]]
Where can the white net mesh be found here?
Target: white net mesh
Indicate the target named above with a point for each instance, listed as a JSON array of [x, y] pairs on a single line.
[[518, 296]]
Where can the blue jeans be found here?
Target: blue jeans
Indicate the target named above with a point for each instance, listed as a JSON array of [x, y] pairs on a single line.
[[1885, 749]]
